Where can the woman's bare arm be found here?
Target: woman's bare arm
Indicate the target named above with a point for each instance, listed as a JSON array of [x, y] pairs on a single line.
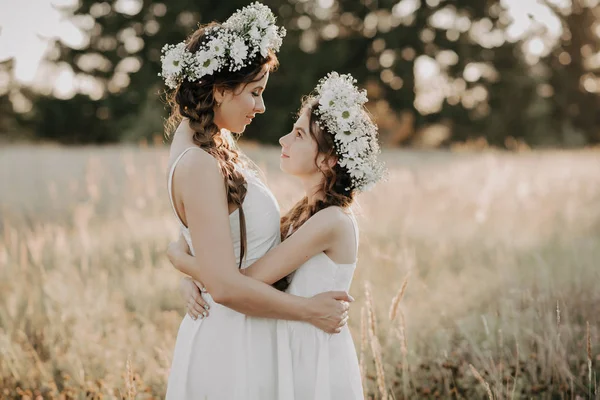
[[316, 235], [203, 197], [319, 234]]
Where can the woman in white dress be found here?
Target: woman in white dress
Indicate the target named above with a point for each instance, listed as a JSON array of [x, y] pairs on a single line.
[[333, 150], [228, 217]]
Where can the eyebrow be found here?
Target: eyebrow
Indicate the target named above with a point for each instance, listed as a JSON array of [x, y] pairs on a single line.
[[260, 79]]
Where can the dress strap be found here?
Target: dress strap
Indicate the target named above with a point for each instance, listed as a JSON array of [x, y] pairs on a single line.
[[355, 225], [170, 183]]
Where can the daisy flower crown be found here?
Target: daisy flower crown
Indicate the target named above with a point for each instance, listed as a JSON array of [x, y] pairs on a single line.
[[232, 46], [341, 110]]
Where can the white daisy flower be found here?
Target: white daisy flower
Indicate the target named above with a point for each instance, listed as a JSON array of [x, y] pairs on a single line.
[[361, 144], [238, 51], [326, 100], [232, 45], [348, 163], [172, 62], [340, 109], [357, 173], [217, 47], [265, 44], [254, 33]]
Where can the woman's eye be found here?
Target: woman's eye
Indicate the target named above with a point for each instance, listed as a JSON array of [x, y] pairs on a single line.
[[255, 94], [298, 134]]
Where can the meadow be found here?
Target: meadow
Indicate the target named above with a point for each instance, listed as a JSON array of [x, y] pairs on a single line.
[[478, 274]]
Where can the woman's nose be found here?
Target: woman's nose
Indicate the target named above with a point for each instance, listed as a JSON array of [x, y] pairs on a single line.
[[282, 140], [259, 106]]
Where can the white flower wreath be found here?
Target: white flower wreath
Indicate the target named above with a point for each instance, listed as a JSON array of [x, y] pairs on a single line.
[[233, 45], [341, 110]]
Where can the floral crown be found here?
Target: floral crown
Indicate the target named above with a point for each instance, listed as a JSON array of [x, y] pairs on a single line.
[[341, 110], [232, 45]]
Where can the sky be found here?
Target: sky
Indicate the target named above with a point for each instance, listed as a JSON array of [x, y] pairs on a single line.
[[27, 26]]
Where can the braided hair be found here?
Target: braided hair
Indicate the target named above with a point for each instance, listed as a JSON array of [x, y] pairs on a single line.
[[195, 101], [334, 187]]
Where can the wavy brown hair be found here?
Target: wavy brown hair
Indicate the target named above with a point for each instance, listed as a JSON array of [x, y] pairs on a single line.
[[335, 187], [195, 101]]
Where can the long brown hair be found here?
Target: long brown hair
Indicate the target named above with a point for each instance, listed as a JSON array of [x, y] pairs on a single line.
[[195, 101], [336, 184]]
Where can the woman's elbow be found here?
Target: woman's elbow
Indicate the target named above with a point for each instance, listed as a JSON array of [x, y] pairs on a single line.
[[224, 289], [224, 293], [177, 262], [260, 276], [223, 296]]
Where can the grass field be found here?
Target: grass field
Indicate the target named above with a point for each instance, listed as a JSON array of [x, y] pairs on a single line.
[[478, 275]]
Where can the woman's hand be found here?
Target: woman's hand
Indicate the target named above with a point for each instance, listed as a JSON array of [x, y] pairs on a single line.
[[329, 311], [191, 292], [176, 249]]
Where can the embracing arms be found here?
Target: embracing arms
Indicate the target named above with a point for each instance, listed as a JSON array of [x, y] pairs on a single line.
[[319, 234], [316, 235], [202, 197]]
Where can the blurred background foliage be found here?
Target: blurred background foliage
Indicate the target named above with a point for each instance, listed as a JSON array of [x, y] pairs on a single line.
[[507, 73]]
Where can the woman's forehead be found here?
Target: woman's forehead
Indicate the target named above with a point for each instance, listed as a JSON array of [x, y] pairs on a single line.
[[302, 118], [264, 76]]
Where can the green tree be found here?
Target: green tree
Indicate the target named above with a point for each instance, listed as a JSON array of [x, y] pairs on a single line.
[[379, 41]]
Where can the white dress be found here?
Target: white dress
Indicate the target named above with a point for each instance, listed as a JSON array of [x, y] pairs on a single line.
[[230, 355], [314, 365]]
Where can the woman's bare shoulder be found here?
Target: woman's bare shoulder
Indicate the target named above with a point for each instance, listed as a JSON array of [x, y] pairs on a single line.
[[197, 161], [333, 215], [198, 171]]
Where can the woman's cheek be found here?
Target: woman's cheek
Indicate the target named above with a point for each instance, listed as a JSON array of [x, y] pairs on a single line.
[[249, 103]]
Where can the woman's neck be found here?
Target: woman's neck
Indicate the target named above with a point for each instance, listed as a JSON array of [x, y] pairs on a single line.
[[184, 129], [313, 189]]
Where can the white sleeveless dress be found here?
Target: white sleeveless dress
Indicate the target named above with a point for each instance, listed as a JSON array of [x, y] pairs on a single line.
[[230, 355], [314, 365]]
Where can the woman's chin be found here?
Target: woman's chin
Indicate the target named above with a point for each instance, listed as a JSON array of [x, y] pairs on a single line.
[[282, 166], [239, 130]]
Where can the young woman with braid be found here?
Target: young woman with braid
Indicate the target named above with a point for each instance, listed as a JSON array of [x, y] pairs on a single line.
[[228, 218], [333, 149]]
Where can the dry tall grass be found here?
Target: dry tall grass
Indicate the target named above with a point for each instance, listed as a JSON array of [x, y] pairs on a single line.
[[482, 271]]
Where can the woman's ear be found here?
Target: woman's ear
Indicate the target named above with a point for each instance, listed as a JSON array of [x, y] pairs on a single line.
[[329, 163], [332, 161], [218, 95]]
